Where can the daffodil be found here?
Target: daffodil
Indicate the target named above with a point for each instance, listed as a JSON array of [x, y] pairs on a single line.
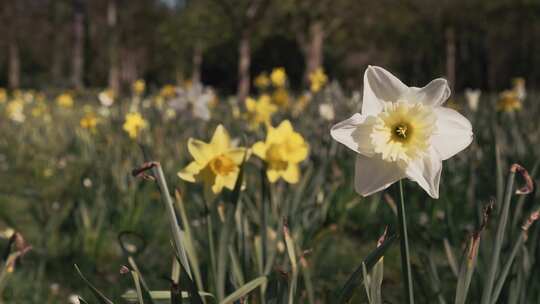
[[197, 97], [281, 98], [39, 109], [519, 87], [134, 124], [106, 97], [89, 122], [138, 87], [278, 77], [65, 100], [402, 132], [216, 164], [508, 101], [283, 151], [301, 104], [326, 110], [260, 111], [262, 81], [473, 98], [317, 80]]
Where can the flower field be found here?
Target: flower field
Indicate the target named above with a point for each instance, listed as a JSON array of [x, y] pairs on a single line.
[[178, 194]]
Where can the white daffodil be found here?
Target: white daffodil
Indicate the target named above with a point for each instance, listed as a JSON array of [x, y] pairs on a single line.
[[197, 97], [326, 110], [473, 98], [402, 132]]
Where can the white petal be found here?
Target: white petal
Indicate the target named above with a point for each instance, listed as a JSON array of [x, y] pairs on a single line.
[[427, 173], [380, 85], [355, 133], [454, 133], [372, 174], [433, 94]]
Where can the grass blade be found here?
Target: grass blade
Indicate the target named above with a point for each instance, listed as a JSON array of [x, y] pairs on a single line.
[[98, 294], [244, 290]]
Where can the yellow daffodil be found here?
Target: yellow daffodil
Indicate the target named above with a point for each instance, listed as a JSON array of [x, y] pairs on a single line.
[[260, 111], [402, 132], [262, 81], [65, 100], [216, 164], [278, 77], [138, 86], [283, 150], [3, 95], [167, 91], [281, 98], [106, 97], [519, 87], [317, 80], [89, 122], [509, 101], [134, 124]]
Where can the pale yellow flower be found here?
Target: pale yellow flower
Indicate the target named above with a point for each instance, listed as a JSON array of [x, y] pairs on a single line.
[[301, 104], [259, 111], [278, 77], [106, 97], [134, 124], [281, 98], [283, 150], [138, 86], [39, 109], [519, 87], [509, 101], [216, 164], [262, 81], [317, 80], [15, 110], [65, 100]]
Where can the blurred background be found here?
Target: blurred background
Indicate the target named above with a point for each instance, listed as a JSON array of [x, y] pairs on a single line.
[[98, 43]]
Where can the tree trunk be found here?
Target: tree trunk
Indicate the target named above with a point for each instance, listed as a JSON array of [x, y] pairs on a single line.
[[78, 45], [197, 62], [14, 65], [314, 49], [451, 57], [114, 71], [244, 60]]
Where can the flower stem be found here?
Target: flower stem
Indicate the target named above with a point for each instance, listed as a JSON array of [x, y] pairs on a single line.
[[404, 242]]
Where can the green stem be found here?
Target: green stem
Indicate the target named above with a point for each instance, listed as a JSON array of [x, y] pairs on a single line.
[[404, 242], [211, 243]]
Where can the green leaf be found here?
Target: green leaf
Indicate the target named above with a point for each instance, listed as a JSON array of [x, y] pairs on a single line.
[[244, 290], [98, 294], [356, 277]]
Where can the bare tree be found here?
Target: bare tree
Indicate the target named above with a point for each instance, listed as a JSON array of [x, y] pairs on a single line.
[[78, 44], [114, 70]]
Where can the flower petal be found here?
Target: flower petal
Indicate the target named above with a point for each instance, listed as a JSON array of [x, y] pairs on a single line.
[[433, 94], [237, 155], [380, 85], [355, 134], [220, 140], [259, 149], [291, 174], [454, 133], [427, 172], [189, 172], [200, 151], [373, 174]]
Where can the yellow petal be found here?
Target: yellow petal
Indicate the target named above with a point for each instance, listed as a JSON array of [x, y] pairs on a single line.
[[201, 151], [229, 181], [292, 174], [273, 175], [189, 172], [218, 185], [259, 149], [237, 155], [221, 140]]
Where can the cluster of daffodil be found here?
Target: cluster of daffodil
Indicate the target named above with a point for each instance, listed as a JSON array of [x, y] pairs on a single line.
[[216, 164]]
